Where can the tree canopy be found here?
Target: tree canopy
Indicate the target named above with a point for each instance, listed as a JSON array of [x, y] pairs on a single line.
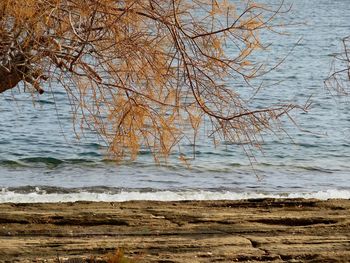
[[141, 72]]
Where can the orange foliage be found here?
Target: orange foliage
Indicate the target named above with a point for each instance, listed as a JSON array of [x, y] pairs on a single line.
[[140, 71]]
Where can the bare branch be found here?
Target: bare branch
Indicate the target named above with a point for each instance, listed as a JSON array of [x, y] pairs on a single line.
[[138, 72]]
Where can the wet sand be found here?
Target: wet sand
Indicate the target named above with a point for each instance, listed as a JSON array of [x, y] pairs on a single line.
[[264, 230]]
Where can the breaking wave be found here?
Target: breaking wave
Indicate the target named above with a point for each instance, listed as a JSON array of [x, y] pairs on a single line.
[[39, 195]]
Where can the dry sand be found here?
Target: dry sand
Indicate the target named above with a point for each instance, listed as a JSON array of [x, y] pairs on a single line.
[[265, 230]]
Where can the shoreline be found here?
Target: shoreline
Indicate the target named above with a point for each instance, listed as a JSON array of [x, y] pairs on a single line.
[[47, 195], [253, 230]]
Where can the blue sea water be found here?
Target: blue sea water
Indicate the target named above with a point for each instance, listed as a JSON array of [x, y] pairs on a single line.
[[41, 159]]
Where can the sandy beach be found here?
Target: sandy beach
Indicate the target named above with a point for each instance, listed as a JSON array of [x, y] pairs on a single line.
[[264, 230]]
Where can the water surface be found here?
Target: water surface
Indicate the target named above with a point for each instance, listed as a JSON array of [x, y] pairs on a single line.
[[41, 159]]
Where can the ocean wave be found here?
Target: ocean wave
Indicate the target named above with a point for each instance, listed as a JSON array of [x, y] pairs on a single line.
[[174, 164], [42, 196], [43, 161]]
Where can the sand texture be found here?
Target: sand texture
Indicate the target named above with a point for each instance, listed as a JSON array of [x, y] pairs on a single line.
[[265, 230]]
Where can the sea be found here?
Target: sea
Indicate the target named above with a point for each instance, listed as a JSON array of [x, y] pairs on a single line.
[[42, 159]]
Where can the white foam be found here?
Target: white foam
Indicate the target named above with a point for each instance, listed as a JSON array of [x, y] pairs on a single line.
[[42, 197]]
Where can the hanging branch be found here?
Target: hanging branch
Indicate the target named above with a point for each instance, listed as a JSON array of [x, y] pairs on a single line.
[[139, 71]]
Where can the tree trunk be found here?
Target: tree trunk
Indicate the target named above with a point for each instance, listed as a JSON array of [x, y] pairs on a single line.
[[10, 76], [9, 80]]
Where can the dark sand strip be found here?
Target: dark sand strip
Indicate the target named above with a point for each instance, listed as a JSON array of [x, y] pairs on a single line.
[[265, 230]]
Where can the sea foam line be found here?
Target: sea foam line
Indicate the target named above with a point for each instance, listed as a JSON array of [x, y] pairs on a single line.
[[42, 197]]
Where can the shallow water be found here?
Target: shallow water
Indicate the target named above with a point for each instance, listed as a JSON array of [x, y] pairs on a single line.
[[42, 160]]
